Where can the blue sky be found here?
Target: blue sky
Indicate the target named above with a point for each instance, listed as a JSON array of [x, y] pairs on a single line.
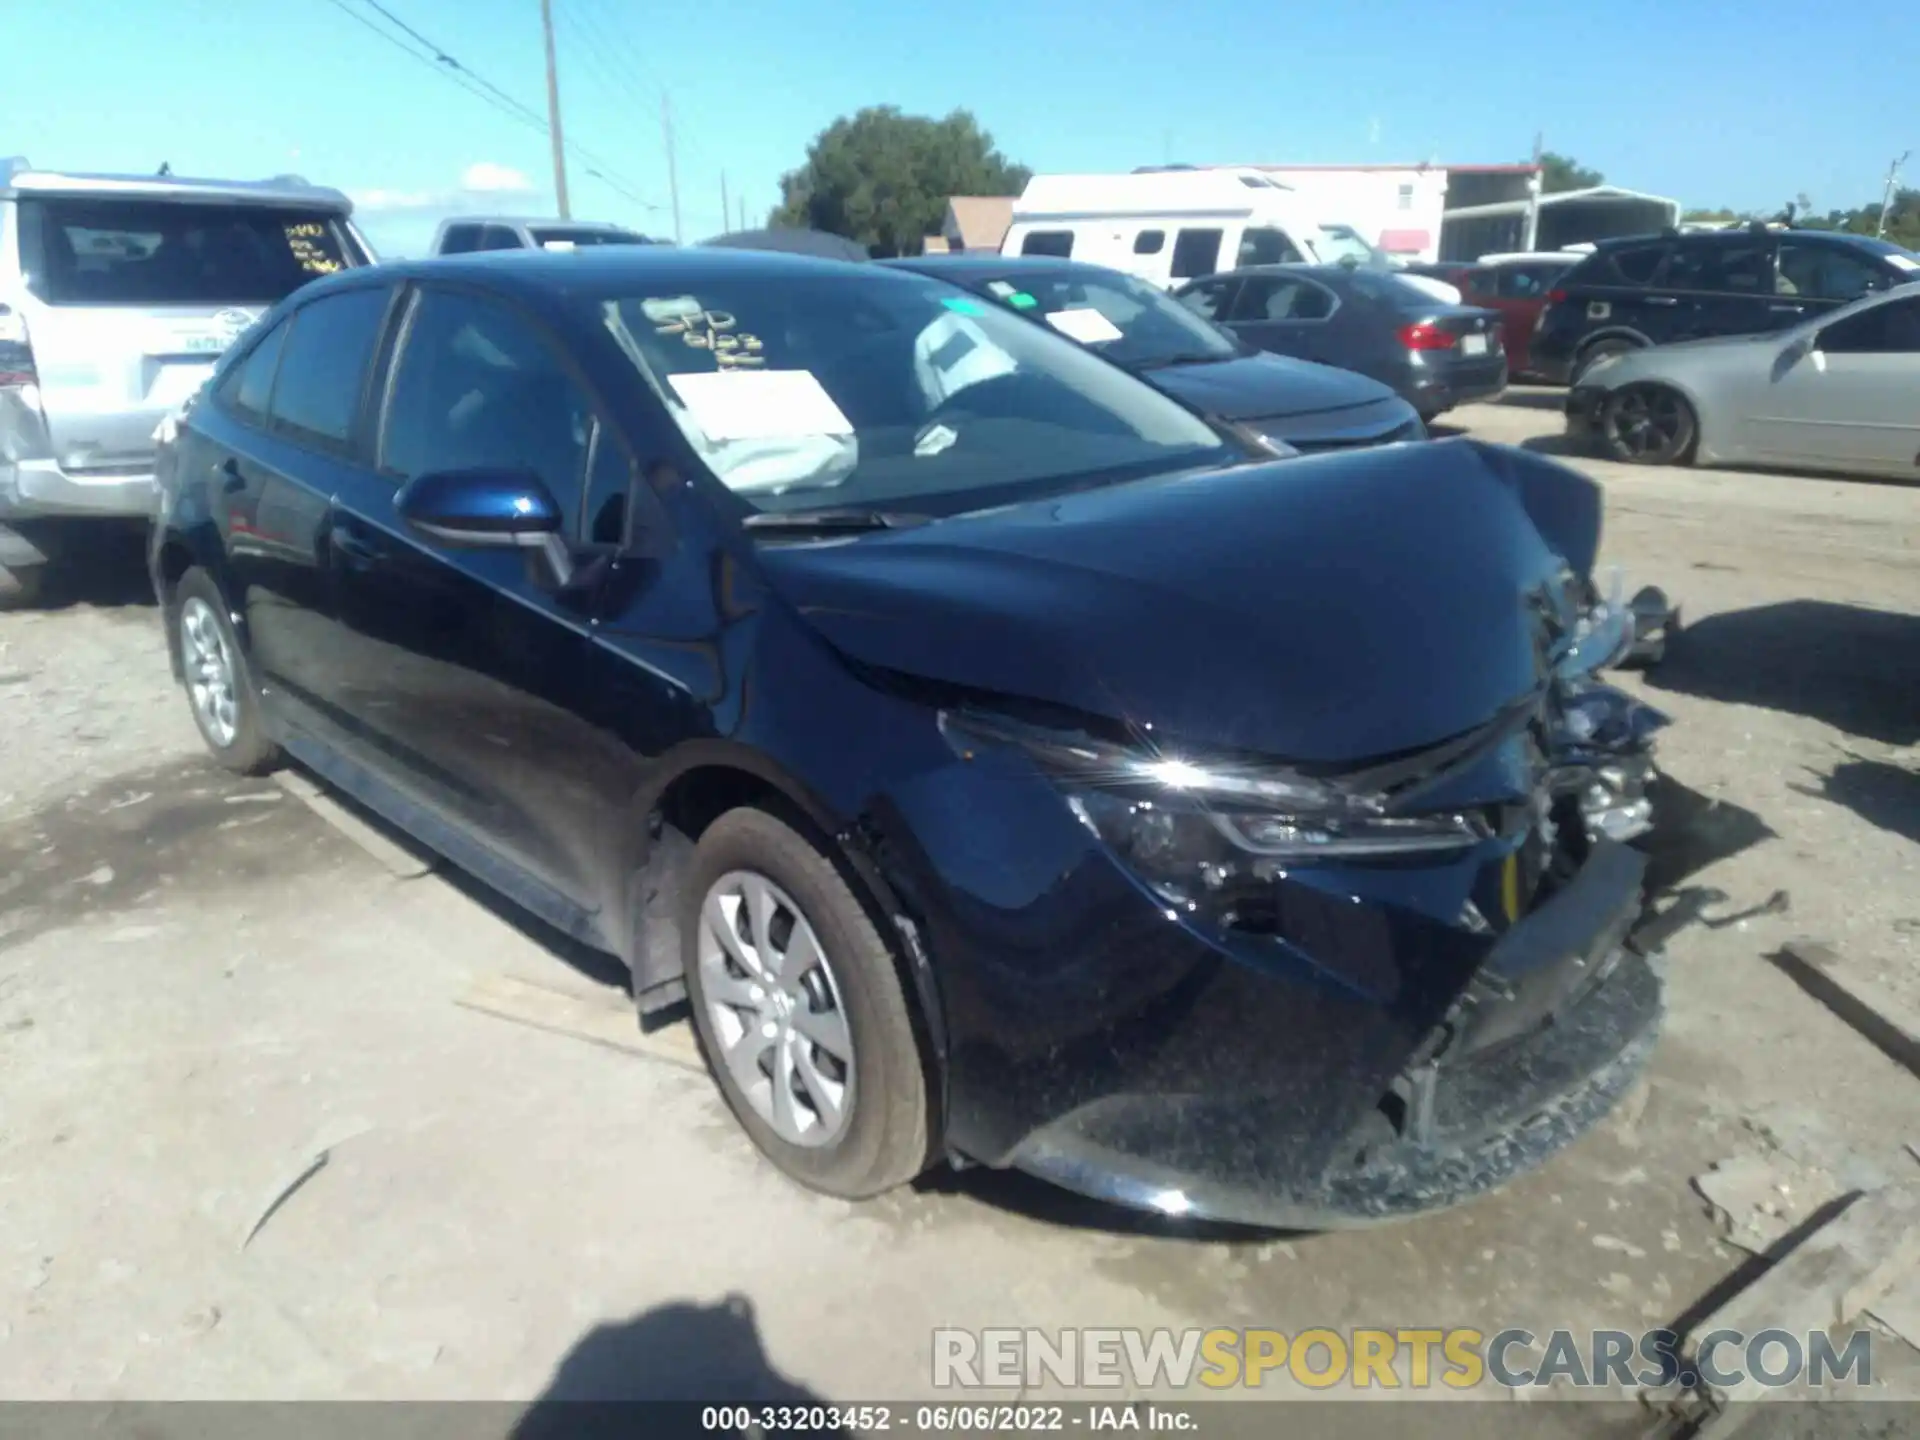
[[1710, 103]]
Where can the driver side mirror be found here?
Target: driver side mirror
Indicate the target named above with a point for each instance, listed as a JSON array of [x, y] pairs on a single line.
[[488, 509]]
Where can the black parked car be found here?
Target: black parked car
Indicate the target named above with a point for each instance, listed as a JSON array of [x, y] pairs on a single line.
[[1001, 767], [1658, 289], [1302, 406], [1435, 355]]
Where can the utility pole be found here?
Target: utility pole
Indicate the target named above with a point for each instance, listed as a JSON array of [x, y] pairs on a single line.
[[1886, 204], [726, 211], [743, 212], [673, 177], [1535, 182], [553, 115]]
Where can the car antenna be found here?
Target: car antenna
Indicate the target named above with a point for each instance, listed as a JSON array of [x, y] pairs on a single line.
[[166, 168]]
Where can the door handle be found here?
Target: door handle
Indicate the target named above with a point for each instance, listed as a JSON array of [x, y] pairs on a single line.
[[1661, 300], [1788, 309], [231, 480], [355, 550]]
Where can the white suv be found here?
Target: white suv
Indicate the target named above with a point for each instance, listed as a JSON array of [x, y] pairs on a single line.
[[117, 294]]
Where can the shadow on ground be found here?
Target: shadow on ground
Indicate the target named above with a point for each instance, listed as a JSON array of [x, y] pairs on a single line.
[[1850, 667], [1555, 400], [700, 1355], [1693, 831], [1882, 794], [1561, 447], [103, 565]]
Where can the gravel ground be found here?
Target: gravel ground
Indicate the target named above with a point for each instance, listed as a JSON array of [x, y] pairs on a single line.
[[199, 981]]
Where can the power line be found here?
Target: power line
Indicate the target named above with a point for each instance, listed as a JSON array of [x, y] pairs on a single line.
[[444, 64]]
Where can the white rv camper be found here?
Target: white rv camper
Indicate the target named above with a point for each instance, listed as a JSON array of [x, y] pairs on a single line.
[[1174, 225]]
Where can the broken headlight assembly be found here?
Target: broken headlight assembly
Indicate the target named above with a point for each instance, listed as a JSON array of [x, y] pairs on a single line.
[[1199, 833]]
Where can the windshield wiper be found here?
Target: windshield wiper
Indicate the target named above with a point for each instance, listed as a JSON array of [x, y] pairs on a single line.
[[846, 520], [1167, 361]]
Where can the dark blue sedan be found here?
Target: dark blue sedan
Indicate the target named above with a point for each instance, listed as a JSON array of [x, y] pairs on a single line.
[[998, 765], [1292, 407]]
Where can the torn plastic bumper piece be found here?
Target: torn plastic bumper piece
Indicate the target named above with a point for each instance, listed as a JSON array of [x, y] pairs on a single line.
[[1553, 1033], [1655, 621]]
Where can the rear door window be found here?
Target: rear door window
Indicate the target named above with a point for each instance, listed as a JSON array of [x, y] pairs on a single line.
[[1892, 329], [499, 237], [1209, 300], [1721, 269], [1048, 242], [1196, 252], [85, 251], [323, 367], [1269, 297]]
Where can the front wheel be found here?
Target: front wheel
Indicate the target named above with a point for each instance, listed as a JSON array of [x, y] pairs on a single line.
[[1647, 425], [801, 1011], [220, 688]]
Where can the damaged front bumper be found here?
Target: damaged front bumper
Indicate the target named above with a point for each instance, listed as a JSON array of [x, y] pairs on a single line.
[[1552, 1034]]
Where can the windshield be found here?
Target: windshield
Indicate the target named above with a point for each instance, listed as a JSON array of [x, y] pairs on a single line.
[[83, 251], [891, 391], [567, 237], [1126, 320], [1343, 242]]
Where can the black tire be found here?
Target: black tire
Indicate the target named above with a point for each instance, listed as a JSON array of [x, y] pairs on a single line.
[[884, 1141], [1648, 425], [1593, 354], [20, 585], [249, 750]]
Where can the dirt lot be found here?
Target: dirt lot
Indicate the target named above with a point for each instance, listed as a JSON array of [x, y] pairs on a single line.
[[203, 985]]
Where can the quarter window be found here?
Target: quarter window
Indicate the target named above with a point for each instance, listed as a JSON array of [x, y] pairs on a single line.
[[1058, 243], [1636, 264], [477, 388], [323, 367], [1196, 252], [1149, 242], [1721, 269], [250, 385], [1281, 298]]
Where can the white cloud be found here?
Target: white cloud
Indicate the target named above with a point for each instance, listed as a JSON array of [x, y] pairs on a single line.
[[486, 175], [482, 186]]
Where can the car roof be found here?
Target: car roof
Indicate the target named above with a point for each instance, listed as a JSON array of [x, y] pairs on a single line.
[[280, 190], [961, 268], [543, 275], [542, 220]]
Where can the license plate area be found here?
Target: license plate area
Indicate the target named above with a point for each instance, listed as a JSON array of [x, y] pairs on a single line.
[[1473, 344]]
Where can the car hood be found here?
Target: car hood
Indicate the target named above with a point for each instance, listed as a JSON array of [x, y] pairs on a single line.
[[1260, 387], [1330, 608]]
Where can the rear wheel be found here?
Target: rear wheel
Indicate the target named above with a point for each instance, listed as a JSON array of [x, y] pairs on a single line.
[[1647, 425], [800, 1009], [220, 688]]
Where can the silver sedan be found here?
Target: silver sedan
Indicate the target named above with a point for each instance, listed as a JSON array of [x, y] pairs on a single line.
[[1838, 393]]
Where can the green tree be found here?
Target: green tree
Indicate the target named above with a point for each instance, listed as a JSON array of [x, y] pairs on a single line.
[[882, 178], [1560, 172]]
